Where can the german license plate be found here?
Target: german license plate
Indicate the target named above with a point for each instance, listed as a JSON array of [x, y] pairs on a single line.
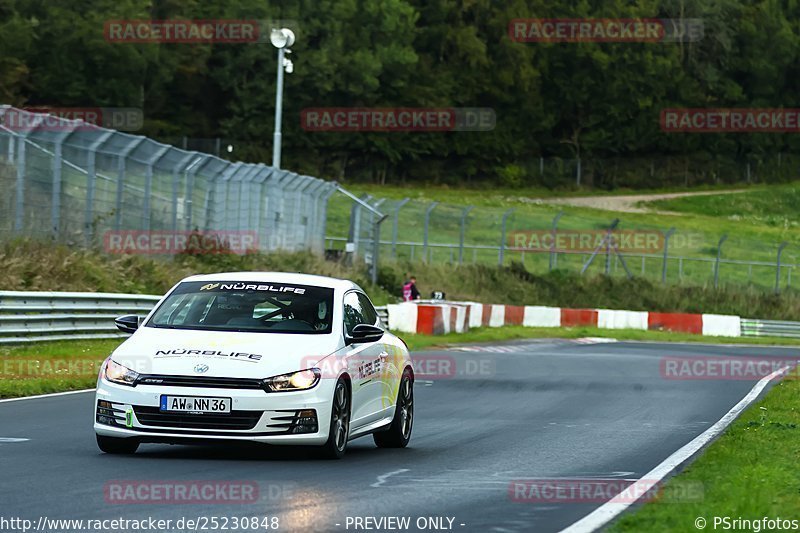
[[195, 405]]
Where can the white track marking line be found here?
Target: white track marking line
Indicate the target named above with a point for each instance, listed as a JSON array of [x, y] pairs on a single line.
[[595, 340], [610, 510], [382, 478], [47, 395]]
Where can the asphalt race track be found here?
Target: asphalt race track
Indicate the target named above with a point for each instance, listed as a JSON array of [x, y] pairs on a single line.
[[519, 410]]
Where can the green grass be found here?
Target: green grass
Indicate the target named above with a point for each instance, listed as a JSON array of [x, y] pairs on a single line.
[[749, 472], [776, 206], [490, 196], [44, 367], [42, 266], [699, 229], [27, 265], [37, 266]]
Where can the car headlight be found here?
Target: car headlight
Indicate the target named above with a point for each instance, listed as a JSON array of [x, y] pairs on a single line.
[[302, 380], [116, 373]]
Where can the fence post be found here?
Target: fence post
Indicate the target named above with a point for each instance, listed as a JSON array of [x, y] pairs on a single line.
[[553, 255], [314, 240], [355, 224], [176, 178], [188, 204], [325, 202], [20, 200], [607, 243], [355, 216], [231, 215], [396, 224], [376, 244], [10, 148], [91, 180], [301, 187], [238, 181], [667, 235], [245, 194], [148, 186], [716, 264], [425, 235], [191, 173], [578, 173], [55, 200], [609, 239], [501, 256], [463, 229], [778, 267], [121, 167]]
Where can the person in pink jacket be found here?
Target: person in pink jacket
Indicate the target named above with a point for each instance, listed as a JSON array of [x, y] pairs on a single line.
[[410, 291]]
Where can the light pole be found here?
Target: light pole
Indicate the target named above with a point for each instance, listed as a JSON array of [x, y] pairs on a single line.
[[281, 39]]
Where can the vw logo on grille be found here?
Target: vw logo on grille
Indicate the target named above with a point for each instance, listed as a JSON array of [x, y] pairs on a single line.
[[201, 369]]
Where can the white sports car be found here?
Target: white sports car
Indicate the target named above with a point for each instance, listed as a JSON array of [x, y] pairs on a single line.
[[269, 357]]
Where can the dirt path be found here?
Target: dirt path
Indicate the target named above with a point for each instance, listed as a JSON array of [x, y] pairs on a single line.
[[627, 203]]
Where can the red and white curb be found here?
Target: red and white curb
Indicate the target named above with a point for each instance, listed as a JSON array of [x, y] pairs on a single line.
[[446, 317]]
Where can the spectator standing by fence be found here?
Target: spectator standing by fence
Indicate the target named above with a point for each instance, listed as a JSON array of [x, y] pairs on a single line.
[[410, 291]]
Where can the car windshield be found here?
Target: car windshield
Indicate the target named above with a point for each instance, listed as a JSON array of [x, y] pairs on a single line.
[[246, 306]]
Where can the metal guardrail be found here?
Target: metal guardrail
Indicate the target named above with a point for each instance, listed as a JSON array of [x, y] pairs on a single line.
[[49, 316], [770, 328], [383, 314]]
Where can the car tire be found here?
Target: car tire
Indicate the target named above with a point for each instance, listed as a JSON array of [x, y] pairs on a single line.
[[339, 430], [399, 432], [117, 446]]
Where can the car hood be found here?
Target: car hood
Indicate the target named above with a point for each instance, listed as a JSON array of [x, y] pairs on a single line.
[[225, 354]]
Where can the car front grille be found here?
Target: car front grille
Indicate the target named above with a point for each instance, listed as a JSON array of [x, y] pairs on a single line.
[[236, 420], [200, 381]]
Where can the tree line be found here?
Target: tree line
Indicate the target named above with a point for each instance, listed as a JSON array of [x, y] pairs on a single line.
[[553, 102]]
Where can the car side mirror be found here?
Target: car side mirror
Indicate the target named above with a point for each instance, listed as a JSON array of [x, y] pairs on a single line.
[[127, 323], [364, 333]]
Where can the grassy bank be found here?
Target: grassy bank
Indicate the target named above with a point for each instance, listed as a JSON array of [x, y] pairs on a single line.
[[776, 206], [515, 285], [47, 367], [747, 473], [44, 266]]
